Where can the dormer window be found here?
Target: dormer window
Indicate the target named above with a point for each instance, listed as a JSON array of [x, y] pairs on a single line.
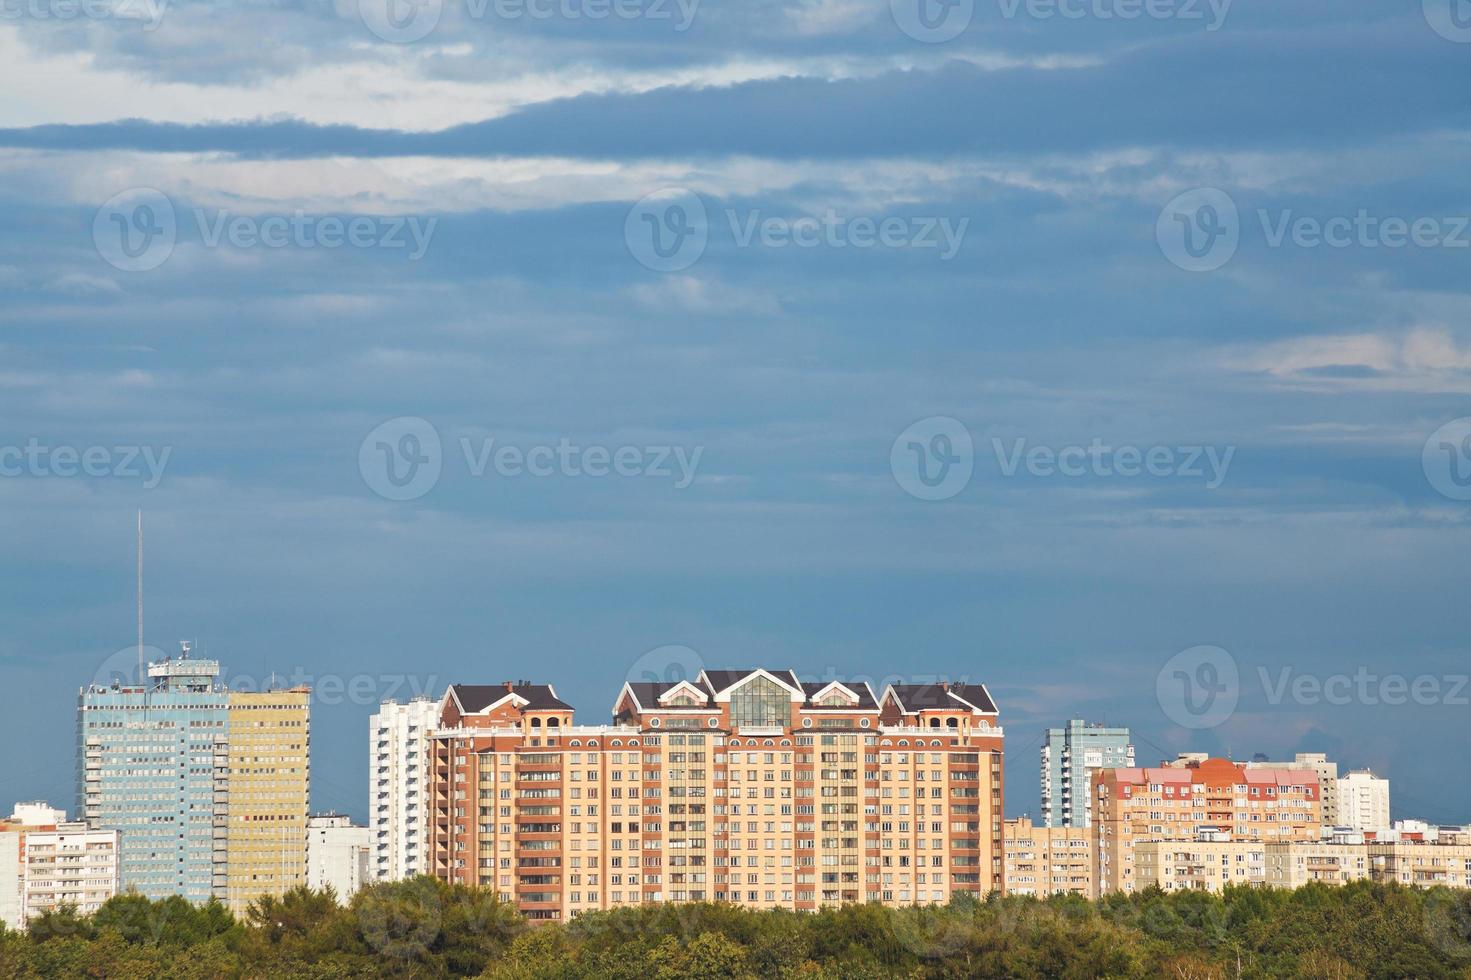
[[683, 695], [835, 695]]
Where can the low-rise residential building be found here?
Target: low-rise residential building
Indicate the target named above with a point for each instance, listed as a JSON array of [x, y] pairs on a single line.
[[1422, 864], [1336, 861], [1045, 861], [1214, 861], [1207, 864], [338, 854], [1215, 797], [47, 862]]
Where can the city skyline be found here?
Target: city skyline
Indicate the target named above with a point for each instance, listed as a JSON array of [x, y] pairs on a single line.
[[991, 340], [1024, 796], [349, 691], [849, 793]]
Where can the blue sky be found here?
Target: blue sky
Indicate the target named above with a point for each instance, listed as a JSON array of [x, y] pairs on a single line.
[[527, 150]]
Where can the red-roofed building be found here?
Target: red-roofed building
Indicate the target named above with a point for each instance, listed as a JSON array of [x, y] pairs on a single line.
[[1215, 797]]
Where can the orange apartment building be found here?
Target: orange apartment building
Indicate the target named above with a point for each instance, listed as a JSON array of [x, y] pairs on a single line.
[[1217, 798], [746, 786]]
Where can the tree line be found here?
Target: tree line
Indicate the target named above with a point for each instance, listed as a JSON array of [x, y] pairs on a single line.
[[426, 928]]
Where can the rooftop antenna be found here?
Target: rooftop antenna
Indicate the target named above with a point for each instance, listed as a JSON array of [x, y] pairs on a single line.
[[142, 674]]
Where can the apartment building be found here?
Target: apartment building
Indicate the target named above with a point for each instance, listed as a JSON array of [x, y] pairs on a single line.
[[1069, 757], [47, 861], [339, 855], [1184, 802], [1209, 863], [398, 787], [1363, 802], [1336, 861], [747, 786], [1045, 861], [1319, 765], [206, 787], [1422, 864], [1212, 862], [268, 787]]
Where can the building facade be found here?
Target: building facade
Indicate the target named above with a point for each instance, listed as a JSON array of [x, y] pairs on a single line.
[[206, 787], [1216, 797], [339, 855], [1209, 863], [1045, 861], [1319, 765], [1336, 861], [746, 786], [268, 789], [1363, 802], [398, 787], [1212, 863], [1423, 864], [1069, 757], [47, 862], [152, 765]]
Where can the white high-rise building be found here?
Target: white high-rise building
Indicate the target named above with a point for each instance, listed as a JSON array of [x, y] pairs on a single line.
[[338, 855], [1363, 801], [47, 862], [398, 807]]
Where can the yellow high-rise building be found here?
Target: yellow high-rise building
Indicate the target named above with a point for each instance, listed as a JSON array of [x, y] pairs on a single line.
[[268, 787]]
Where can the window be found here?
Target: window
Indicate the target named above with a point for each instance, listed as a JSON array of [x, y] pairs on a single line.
[[760, 702]]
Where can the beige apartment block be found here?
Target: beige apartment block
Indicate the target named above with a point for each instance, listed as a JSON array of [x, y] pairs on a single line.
[[1423, 864], [748, 786], [1200, 799], [1294, 864], [1199, 865], [268, 786], [1046, 861]]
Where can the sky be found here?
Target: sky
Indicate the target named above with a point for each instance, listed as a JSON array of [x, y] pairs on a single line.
[[1114, 354]]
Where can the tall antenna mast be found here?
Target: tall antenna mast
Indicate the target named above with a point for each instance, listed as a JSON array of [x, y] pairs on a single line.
[[142, 676]]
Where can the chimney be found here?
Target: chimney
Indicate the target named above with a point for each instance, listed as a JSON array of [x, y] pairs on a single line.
[[945, 686], [509, 685]]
